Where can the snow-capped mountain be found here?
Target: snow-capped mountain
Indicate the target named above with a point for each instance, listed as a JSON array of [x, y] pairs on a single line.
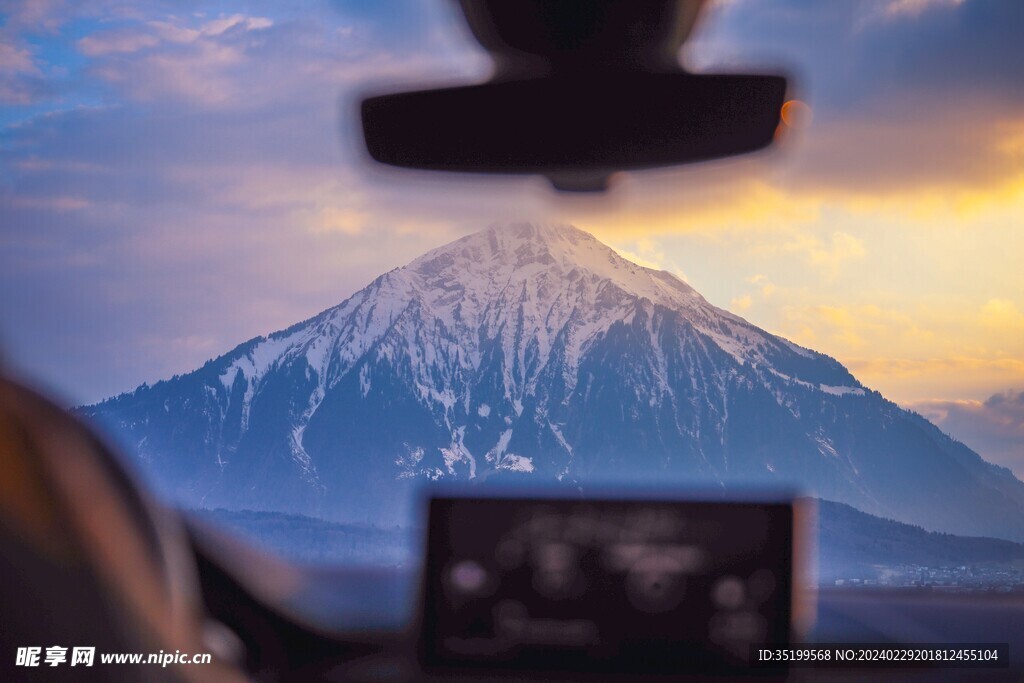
[[537, 352]]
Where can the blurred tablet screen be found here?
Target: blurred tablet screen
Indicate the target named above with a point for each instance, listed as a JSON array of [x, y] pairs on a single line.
[[611, 586]]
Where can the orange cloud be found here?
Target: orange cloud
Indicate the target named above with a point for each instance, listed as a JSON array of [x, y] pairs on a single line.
[[912, 380], [1001, 313]]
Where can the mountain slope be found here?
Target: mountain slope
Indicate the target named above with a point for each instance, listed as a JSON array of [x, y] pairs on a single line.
[[853, 544], [536, 351]]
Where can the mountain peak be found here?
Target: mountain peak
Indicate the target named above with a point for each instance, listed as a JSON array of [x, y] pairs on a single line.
[[537, 281], [518, 242], [549, 261], [560, 237], [540, 231]]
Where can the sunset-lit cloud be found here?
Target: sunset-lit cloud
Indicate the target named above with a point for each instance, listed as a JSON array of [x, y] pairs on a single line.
[[1002, 313], [940, 376], [741, 303]]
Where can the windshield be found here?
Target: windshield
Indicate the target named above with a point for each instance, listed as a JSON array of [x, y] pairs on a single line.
[[289, 342]]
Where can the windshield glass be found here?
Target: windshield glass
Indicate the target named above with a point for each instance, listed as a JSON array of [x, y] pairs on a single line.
[[289, 341]]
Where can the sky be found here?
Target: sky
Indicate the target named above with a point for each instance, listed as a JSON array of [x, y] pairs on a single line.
[[178, 177]]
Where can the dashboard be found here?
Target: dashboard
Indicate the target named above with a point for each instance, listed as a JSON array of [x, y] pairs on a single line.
[[548, 588]]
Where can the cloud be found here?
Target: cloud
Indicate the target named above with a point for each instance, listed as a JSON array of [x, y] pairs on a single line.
[[912, 153], [879, 75], [15, 59], [907, 354], [827, 326], [116, 41], [914, 8], [911, 380], [767, 288], [993, 427], [335, 219], [205, 64], [741, 303], [850, 59], [1001, 313], [22, 80], [38, 15], [726, 202], [830, 257], [907, 367], [218, 26], [154, 33], [34, 70]]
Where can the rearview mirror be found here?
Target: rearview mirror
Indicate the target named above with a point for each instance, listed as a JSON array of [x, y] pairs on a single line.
[[576, 132]]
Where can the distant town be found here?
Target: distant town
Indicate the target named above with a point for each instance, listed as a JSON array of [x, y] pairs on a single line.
[[962, 579]]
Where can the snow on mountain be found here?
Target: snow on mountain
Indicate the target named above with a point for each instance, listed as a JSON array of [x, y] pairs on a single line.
[[537, 351]]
